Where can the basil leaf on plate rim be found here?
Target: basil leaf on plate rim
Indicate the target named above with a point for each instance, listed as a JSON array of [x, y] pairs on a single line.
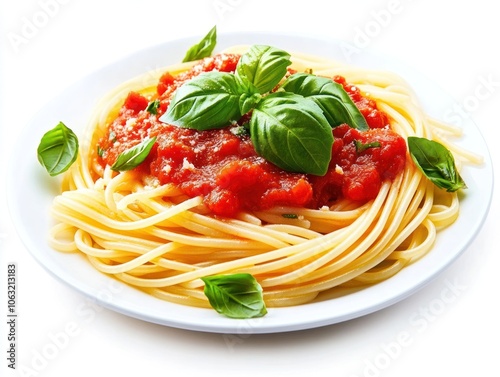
[[436, 162], [58, 149], [235, 296]]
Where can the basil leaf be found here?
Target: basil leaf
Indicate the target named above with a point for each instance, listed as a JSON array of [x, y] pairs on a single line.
[[235, 296], [248, 102], [261, 68], [361, 147], [336, 104], [153, 107], [208, 101], [100, 151], [436, 162], [202, 49], [291, 132], [58, 149], [133, 157]]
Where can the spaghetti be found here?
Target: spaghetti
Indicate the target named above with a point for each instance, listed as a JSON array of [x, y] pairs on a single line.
[[156, 238]]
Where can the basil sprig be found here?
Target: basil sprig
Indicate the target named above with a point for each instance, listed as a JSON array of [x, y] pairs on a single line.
[[203, 48], [58, 149], [290, 125], [235, 296], [133, 157], [436, 162]]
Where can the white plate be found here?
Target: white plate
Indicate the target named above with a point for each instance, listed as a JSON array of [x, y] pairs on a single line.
[[31, 196]]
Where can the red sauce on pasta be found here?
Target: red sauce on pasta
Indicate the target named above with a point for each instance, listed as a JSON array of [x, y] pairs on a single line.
[[223, 167]]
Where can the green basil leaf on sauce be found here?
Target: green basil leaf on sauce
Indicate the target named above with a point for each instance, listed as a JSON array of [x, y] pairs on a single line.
[[436, 162], [100, 151], [58, 149], [235, 296], [291, 132], [261, 68], [208, 101], [133, 157], [336, 104], [361, 147], [153, 107], [202, 49], [248, 102]]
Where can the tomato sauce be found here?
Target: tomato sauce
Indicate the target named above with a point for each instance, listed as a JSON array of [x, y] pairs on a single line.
[[223, 167]]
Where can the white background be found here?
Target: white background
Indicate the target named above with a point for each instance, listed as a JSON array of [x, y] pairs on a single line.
[[455, 44]]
